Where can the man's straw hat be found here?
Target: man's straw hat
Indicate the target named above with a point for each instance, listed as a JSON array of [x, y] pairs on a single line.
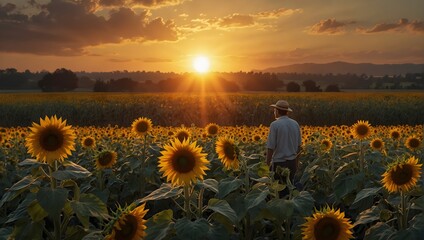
[[282, 105]]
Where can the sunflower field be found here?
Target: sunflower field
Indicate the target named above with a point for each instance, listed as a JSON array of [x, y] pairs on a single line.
[[147, 180]]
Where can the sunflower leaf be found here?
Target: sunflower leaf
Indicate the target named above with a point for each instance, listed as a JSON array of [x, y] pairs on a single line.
[[89, 205], [18, 188], [255, 197], [187, 229], [159, 225], [303, 203], [165, 191], [379, 231], [368, 216], [72, 171], [52, 200], [210, 184], [228, 185], [365, 196], [222, 207]]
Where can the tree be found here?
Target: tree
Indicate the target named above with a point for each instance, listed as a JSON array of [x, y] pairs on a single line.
[[293, 87], [61, 80], [100, 86], [332, 88], [310, 86]]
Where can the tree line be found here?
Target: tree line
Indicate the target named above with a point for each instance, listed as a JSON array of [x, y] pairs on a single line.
[[65, 80]]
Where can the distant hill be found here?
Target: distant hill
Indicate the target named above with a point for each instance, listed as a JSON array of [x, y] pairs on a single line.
[[353, 68]]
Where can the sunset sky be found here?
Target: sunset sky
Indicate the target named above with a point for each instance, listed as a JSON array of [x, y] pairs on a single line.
[[236, 35]]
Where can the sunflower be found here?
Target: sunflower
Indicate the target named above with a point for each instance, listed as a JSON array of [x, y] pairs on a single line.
[[256, 138], [228, 152], [141, 126], [395, 134], [182, 162], [212, 129], [377, 144], [326, 145], [130, 225], [106, 159], [327, 224], [402, 175], [50, 140], [88, 142], [361, 129], [182, 134], [413, 143]]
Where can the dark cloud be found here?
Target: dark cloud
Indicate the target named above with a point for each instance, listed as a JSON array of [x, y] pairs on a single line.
[[67, 28], [144, 3], [402, 24], [328, 26]]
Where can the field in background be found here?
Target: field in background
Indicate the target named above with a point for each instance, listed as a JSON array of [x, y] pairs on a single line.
[[226, 109]]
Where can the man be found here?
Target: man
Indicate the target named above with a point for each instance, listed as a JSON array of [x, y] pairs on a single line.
[[284, 141]]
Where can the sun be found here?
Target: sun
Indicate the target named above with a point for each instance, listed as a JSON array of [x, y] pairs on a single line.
[[201, 64]]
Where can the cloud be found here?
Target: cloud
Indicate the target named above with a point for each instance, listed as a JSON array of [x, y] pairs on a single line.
[[328, 26], [401, 25], [68, 28], [143, 3], [278, 13], [237, 20]]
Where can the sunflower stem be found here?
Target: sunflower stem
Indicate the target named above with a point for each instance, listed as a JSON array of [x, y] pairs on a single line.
[[403, 212], [56, 219], [143, 164], [200, 203], [361, 156], [187, 201], [100, 179]]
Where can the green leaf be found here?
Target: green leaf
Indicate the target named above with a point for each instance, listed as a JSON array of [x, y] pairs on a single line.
[[418, 203], [21, 211], [36, 212], [222, 207], [303, 203], [365, 196], [417, 222], [210, 184], [94, 235], [159, 225], [255, 197], [368, 216], [379, 231], [187, 229], [30, 162], [165, 191], [28, 230], [344, 185], [218, 232], [280, 209], [18, 188], [89, 205], [72, 171], [5, 232], [52, 200], [228, 185]]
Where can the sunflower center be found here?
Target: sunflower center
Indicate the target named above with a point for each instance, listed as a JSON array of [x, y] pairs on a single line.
[[402, 175], [105, 158], [377, 144], [414, 143], [184, 161], [327, 229], [395, 135], [88, 142], [362, 130], [142, 127], [51, 139], [182, 136], [229, 151], [212, 130], [128, 229]]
